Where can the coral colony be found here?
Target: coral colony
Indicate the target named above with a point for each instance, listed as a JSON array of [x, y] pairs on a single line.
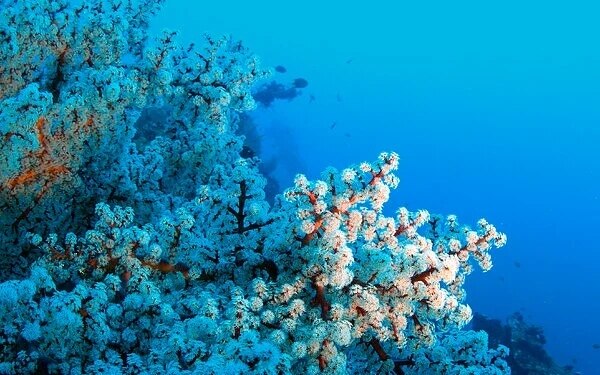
[[140, 246]]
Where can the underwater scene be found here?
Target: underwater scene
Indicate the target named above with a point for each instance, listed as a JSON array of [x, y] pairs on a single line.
[[322, 187]]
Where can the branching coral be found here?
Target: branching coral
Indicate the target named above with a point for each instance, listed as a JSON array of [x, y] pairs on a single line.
[[374, 273], [68, 114]]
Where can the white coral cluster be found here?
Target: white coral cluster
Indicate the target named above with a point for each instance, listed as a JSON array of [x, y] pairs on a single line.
[[396, 289]]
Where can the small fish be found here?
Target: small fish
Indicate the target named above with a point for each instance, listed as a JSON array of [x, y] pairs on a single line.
[[280, 69], [300, 83], [517, 264], [596, 346], [348, 135], [311, 98], [349, 61], [333, 124]]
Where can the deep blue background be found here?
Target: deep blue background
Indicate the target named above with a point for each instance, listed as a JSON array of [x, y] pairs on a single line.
[[494, 108]]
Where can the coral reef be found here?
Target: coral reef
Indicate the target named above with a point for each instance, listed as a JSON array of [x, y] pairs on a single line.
[[136, 236], [525, 342]]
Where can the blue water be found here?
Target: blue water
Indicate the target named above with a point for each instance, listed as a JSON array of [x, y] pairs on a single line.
[[494, 109]]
